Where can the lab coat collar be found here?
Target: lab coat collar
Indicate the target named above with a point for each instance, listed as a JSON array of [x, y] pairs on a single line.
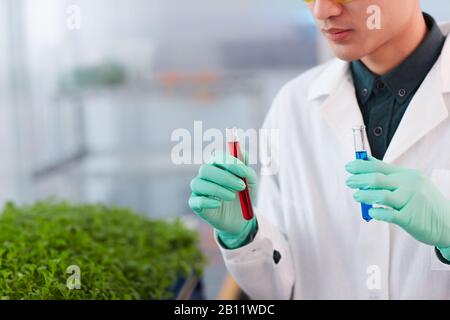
[[328, 79], [340, 108], [426, 110]]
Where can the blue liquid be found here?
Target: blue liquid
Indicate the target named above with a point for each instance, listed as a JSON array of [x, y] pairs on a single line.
[[362, 155]]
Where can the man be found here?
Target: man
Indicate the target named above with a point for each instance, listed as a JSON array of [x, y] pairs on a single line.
[[308, 239]]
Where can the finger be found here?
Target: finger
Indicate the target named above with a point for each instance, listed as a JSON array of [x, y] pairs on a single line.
[[384, 197], [211, 189], [371, 165], [221, 177], [251, 176], [199, 203], [229, 163], [384, 214], [251, 173], [371, 181]]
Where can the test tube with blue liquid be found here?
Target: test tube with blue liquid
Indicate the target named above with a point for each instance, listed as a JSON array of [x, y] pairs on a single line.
[[361, 153]]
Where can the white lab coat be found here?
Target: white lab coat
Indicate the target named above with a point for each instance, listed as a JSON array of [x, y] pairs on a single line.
[[307, 213]]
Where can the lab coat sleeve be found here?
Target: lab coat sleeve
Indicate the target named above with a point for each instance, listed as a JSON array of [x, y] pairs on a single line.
[[264, 268]]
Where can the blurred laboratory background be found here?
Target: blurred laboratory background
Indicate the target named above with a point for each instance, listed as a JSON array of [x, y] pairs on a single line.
[[91, 91]]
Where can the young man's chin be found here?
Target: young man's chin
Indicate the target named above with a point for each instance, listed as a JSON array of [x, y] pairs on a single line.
[[347, 53]]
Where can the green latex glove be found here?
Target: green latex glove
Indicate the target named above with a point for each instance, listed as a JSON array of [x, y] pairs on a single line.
[[214, 197], [415, 204]]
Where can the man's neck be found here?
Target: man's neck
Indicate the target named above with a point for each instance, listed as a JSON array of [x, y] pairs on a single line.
[[394, 52]]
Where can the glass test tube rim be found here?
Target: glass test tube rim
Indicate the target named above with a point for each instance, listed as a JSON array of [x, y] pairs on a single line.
[[359, 138], [232, 135]]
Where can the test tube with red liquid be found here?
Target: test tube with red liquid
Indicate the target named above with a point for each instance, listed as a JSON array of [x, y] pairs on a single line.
[[244, 196]]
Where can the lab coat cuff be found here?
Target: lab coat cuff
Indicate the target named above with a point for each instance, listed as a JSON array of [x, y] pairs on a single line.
[[246, 236], [267, 257], [261, 245]]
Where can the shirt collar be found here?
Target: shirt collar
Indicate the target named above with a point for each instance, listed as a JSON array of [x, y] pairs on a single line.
[[364, 80], [407, 77]]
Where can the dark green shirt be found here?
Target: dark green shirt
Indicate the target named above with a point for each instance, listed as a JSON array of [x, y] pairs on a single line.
[[383, 99]]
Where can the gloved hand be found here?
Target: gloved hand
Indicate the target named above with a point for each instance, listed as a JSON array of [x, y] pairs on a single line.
[[214, 197], [416, 205]]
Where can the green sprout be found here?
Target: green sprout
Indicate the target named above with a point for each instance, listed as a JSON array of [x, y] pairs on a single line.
[[119, 254]]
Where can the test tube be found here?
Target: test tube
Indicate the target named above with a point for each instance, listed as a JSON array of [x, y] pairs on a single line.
[[361, 153], [244, 196]]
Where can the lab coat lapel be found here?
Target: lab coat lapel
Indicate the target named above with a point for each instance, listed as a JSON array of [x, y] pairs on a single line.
[[341, 112], [340, 108], [426, 111]]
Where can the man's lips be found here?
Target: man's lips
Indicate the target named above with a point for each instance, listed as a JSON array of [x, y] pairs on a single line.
[[337, 34]]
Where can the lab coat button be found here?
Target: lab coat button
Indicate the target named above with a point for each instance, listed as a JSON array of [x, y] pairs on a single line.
[[402, 92], [276, 256]]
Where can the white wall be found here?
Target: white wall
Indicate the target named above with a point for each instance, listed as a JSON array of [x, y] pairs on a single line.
[[439, 9]]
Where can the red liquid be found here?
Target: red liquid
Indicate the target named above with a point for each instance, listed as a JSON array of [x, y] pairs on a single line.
[[244, 196]]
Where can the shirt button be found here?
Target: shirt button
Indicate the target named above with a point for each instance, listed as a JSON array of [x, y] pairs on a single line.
[[365, 92], [377, 131], [380, 84], [402, 92]]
